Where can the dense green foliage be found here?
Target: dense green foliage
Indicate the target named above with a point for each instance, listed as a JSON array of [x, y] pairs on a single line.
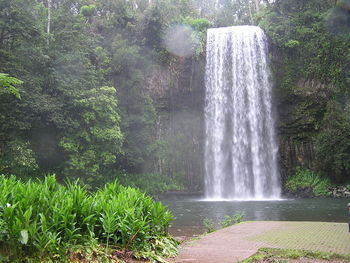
[[90, 89], [310, 43], [101, 92], [98, 121], [150, 183], [77, 59], [7, 85], [39, 219], [333, 142], [305, 180]]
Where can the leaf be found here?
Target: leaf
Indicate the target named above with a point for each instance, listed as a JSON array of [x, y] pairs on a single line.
[[7, 85], [24, 237]]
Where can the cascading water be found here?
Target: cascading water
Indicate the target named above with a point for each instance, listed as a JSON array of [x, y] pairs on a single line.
[[240, 146]]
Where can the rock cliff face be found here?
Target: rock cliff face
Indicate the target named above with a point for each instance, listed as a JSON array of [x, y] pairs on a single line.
[[178, 95], [299, 120]]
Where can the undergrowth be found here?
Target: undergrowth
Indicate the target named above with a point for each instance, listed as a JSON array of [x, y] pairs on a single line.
[[41, 220], [306, 179], [209, 226], [151, 183]]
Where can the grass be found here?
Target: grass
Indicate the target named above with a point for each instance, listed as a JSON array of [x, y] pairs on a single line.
[[313, 236], [282, 255]]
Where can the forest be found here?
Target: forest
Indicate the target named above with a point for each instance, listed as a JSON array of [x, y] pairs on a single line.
[[93, 91], [105, 90]]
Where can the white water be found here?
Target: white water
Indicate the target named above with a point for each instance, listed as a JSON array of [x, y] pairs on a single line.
[[240, 146]]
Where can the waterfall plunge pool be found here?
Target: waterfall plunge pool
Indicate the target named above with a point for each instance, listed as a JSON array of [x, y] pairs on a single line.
[[240, 157], [190, 213]]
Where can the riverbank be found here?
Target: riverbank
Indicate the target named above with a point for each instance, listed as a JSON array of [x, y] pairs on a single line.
[[339, 191], [241, 241], [190, 213]]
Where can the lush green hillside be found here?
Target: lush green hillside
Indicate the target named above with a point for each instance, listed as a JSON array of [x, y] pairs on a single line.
[[310, 43]]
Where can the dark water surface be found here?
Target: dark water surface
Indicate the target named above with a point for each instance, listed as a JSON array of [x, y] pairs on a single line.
[[190, 213]]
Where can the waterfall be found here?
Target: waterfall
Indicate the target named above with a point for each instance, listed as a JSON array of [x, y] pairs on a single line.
[[240, 146]]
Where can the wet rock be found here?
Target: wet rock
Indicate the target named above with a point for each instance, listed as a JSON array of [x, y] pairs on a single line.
[[307, 192], [340, 192]]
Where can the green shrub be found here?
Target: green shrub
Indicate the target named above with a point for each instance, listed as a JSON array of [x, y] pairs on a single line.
[[150, 182], [46, 218], [231, 220], [238, 218], [228, 221], [208, 225], [305, 178], [292, 43], [88, 10]]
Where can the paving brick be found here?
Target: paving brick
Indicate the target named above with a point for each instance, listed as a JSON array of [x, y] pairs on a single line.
[[238, 242]]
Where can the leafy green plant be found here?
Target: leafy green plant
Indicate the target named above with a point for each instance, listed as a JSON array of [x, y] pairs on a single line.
[[238, 217], [208, 225], [305, 178], [159, 246], [7, 85], [292, 43], [46, 218], [88, 10], [228, 221], [231, 220]]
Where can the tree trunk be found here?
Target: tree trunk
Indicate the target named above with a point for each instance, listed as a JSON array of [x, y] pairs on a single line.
[[250, 15], [257, 5], [48, 21]]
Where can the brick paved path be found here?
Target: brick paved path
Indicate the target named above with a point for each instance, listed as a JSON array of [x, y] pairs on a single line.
[[238, 242]]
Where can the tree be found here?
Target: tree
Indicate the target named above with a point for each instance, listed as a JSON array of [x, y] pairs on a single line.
[[17, 22], [235, 12], [7, 85], [333, 143], [310, 65], [95, 143]]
